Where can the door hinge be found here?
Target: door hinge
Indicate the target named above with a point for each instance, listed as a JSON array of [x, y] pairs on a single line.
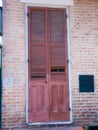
[[66, 16], [69, 109], [28, 14], [67, 60], [28, 60]]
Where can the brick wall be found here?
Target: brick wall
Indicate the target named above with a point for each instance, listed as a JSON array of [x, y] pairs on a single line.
[[84, 56], [13, 64], [84, 52]]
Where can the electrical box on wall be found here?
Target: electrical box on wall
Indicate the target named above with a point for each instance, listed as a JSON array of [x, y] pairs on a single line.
[[94, 127], [86, 83]]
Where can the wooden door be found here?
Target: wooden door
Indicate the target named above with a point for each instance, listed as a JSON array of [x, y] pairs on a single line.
[[38, 88], [48, 70], [59, 103]]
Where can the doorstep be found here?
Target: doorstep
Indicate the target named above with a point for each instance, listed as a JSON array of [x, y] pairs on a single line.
[[52, 128]]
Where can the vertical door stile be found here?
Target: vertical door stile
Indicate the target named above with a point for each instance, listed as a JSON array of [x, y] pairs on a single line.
[[48, 45], [28, 42], [49, 63], [66, 56], [47, 60], [29, 61], [66, 53]]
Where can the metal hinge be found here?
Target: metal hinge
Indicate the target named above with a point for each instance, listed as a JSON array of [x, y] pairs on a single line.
[[66, 16], [28, 60], [28, 14], [68, 61]]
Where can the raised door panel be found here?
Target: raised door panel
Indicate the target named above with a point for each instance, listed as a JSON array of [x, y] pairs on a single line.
[[38, 102], [59, 106]]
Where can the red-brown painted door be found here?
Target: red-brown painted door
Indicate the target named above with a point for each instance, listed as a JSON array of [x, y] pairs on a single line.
[[47, 66], [59, 103], [38, 87]]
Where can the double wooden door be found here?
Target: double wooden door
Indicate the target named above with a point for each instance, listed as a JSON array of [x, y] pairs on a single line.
[[48, 98]]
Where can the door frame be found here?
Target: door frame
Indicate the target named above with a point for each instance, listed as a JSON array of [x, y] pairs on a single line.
[[69, 66]]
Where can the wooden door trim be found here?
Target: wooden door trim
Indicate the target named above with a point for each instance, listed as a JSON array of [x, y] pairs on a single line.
[[69, 75]]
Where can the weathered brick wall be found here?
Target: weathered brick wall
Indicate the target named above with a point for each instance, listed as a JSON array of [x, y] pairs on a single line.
[[84, 52], [84, 56], [13, 64]]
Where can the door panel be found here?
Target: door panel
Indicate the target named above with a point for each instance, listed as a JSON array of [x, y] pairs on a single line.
[[38, 89], [48, 69], [56, 26], [58, 98], [57, 56], [37, 28], [38, 61], [38, 102], [59, 108]]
